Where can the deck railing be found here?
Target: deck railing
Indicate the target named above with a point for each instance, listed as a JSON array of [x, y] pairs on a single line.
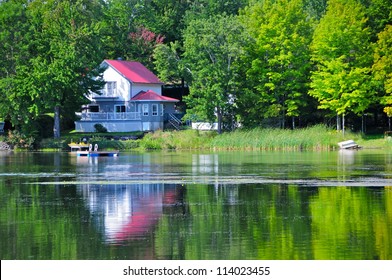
[[110, 116], [174, 121]]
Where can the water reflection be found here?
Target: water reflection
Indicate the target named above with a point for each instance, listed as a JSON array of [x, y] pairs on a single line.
[[346, 156], [127, 211], [335, 205]]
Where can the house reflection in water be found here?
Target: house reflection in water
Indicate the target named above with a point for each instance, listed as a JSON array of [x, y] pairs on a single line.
[[129, 211]]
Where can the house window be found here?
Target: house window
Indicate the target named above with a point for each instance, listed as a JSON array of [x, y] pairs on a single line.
[[119, 108], [154, 109], [162, 109], [111, 88], [145, 109]]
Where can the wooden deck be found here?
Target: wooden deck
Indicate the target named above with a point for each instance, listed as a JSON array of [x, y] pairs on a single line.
[[85, 150], [97, 154]]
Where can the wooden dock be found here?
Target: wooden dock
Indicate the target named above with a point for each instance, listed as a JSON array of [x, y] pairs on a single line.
[[84, 150], [97, 154]]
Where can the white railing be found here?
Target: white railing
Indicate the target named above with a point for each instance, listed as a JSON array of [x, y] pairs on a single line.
[[174, 121], [110, 116], [105, 93]]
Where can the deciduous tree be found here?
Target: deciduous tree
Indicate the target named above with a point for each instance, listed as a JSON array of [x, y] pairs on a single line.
[[212, 47], [278, 60], [341, 52], [382, 67], [61, 49]]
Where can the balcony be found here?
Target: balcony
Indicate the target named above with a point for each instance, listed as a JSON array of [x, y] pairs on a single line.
[[129, 116]]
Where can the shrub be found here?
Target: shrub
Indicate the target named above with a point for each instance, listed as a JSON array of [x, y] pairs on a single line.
[[53, 144], [19, 140], [105, 144], [130, 144]]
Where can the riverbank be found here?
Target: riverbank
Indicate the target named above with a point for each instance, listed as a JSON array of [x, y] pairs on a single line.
[[265, 139], [312, 138]]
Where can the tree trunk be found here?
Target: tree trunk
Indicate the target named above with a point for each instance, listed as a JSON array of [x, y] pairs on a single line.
[[337, 122], [293, 122], [182, 87], [343, 124], [56, 126], [219, 113]]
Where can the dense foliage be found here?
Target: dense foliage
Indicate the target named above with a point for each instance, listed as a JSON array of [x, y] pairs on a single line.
[[246, 62]]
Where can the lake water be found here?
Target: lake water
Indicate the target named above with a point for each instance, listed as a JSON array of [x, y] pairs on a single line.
[[197, 205]]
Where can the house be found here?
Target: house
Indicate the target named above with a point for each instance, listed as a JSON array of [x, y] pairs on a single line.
[[131, 100]]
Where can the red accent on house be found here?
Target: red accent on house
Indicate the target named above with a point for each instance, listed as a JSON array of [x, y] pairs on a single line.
[[152, 96], [134, 71]]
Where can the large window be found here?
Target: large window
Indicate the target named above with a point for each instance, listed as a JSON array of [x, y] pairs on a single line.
[[154, 109], [145, 109]]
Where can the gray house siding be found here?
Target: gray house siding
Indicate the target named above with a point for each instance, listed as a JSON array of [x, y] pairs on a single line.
[[130, 101]]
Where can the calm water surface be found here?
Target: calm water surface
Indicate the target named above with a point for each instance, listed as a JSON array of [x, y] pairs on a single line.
[[237, 205]]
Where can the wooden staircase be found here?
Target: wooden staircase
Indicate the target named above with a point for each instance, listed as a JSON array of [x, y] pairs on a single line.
[[174, 121]]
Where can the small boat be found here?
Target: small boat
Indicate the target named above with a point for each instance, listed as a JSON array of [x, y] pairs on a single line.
[[84, 150], [349, 144]]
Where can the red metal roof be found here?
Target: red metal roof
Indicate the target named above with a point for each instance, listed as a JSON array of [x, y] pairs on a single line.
[[152, 96], [134, 71]]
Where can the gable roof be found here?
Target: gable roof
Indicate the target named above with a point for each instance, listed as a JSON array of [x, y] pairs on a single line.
[[134, 71], [152, 96]]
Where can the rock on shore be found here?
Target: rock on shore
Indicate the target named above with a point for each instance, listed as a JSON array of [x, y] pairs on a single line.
[[4, 146]]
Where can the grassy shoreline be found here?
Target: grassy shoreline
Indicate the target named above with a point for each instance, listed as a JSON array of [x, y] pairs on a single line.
[[314, 138]]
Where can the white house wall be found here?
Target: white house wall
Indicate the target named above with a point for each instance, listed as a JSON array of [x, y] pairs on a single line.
[[122, 86]]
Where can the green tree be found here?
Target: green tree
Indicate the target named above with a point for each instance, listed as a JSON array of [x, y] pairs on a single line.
[[341, 52], [165, 17], [278, 59], [61, 49], [141, 44], [71, 49], [315, 8], [208, 8], [379, 13], [382, 67], [119, 20], [167, 62], [14, 51], [212, 47], [130, 34], [170, 65]]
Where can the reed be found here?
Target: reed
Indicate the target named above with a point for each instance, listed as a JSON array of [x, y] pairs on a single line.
[[176, 140], [317, 137], [312, 138]]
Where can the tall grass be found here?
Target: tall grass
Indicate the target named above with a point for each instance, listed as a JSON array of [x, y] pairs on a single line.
[[177, 140], [311, 138]]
